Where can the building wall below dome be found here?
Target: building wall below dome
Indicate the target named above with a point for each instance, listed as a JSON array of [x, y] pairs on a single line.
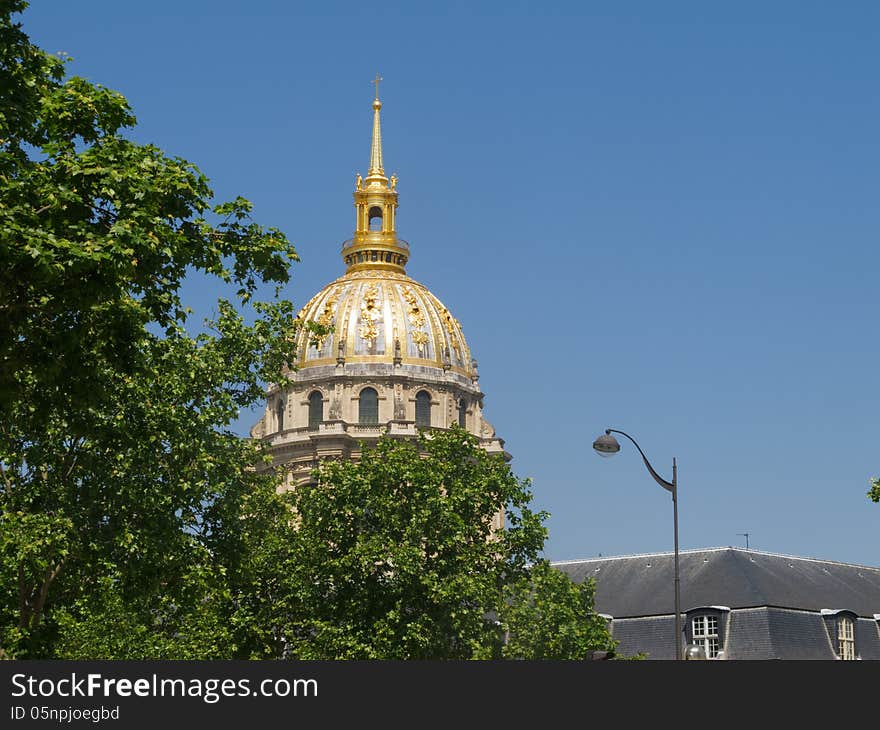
[[296, 445]]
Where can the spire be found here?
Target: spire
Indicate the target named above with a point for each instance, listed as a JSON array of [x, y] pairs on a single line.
[[375, 244], [376, 169]]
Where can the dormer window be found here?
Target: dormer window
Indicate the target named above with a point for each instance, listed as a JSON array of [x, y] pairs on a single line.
[[705, 633], [841, 626], [706, 627], [846, 639]]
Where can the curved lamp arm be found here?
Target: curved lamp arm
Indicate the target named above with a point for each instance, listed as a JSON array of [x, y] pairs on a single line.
[[669, 486]]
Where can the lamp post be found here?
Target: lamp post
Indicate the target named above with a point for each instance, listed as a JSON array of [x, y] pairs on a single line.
[[607, 445]]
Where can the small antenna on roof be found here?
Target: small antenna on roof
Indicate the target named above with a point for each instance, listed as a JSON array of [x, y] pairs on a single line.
[[746, 536]]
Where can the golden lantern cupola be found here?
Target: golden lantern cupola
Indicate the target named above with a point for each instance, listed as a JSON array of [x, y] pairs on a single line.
[[375, 244]]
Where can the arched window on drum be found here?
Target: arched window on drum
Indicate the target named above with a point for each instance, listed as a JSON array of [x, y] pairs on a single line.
[[423, 408], [316, 408], [279, 414], [368, 407]]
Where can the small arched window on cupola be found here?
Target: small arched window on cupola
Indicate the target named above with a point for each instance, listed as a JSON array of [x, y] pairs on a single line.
[[368, 407], [423, 408], [316, 408], [374, 218], [279, 414], [462, 413]]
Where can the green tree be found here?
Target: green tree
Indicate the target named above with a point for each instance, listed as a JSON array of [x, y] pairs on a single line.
[[548, 616], [123, 493], [874, 492], [394, 557]]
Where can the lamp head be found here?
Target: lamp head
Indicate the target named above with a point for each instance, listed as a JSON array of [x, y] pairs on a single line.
[[606, 445], [694, 651]]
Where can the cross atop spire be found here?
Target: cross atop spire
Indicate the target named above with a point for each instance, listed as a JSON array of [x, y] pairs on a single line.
[[376, 81]]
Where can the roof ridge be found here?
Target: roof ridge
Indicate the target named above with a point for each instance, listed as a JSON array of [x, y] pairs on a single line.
[[635, 555], [693, 551]]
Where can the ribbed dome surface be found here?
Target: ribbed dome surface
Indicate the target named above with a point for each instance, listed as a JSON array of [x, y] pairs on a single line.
[[379, 316]]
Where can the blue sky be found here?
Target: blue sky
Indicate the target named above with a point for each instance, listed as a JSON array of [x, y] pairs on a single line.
[[658, 217]]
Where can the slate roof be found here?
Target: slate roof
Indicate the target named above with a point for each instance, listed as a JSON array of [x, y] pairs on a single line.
[[642, 585], [777, 633], [651, 636]]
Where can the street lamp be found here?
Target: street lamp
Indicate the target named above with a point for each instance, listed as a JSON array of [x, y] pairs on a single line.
[[606, 445]]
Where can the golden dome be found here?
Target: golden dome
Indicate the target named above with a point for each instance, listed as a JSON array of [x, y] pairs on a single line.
[[381, 316]]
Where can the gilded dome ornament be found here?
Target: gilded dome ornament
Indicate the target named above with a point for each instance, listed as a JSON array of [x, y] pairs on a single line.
[[327, 316], [416, 318], [451, 326], [420, 339], [370, 314]]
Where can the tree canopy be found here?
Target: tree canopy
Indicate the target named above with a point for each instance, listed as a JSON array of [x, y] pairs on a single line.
[[118, 467], [395, 557]]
